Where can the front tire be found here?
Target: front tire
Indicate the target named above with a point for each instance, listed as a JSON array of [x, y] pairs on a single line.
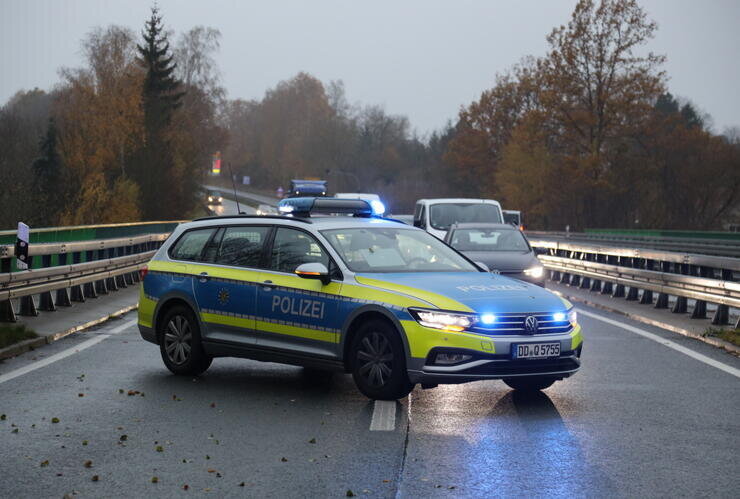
[[379, 362], [180, 343], [530, 383]]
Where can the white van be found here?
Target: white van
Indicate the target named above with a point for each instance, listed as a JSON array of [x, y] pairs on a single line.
[[436, 215]]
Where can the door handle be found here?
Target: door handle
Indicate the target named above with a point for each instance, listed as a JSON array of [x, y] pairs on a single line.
[[203, 277], [268, 284]]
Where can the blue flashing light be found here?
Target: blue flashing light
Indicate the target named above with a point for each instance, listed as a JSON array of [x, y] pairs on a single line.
[[488, 319], [558, 316], [378, 207]]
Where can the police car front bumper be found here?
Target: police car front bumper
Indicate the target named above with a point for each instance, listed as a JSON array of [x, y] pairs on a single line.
[[482, 366]]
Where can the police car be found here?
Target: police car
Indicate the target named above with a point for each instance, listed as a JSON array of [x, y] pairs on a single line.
[[389, 303]]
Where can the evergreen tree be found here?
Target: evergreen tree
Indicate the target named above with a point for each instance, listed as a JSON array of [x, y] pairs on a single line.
[[161, 96], [48, 188]]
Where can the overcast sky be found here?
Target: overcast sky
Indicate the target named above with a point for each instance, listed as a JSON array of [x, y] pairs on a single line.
[[419, 58]]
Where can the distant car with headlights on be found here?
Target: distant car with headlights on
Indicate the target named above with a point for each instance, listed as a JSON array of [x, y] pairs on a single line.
[[214, 197], [502, 247], [266, 209]]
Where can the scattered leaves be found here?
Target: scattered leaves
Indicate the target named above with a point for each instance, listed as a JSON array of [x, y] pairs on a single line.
[[123, 438], [120, 390], [84, 442], [44, 464], [88, 464], [185, 487], [3, 417], [80, 394], [95, 478], [55, 420], [211, 470], [155, 479], [242, 484], [312, 441], [159, 448], [208, 457], [284, 459], [350, 493], [15, 430], [131, 393]]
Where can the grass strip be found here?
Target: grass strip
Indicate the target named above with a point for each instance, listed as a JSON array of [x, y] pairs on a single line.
[[14, 333], [729, 335]]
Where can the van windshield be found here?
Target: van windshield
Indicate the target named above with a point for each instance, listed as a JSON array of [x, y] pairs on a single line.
[[442, 215]]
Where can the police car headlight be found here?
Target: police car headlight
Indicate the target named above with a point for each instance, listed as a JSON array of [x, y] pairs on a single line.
[[447, 321], [535, 272], [572, 316]]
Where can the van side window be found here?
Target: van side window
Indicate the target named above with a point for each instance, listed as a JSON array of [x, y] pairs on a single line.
[[190, 245], [242, 246]]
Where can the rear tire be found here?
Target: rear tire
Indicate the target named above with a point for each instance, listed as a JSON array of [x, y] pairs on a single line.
[[379, 362], [530, 383], [180, 343]]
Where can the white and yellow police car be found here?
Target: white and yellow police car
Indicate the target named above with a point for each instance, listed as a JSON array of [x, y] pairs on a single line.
[[387, 302]]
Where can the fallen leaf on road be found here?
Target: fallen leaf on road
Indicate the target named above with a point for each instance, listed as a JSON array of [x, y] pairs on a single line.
[[84, 442], [386, 481], [15, 430], [350, 493], [185, 487], [284, 459], [123, 438], [88, 464], [159, 448], [44, 463], [3, 417], [312, 441], [120, 390], [155, 479], [80, 394], [211, 470], [54, 420], [208, 457], [242, 484], [95, 478]]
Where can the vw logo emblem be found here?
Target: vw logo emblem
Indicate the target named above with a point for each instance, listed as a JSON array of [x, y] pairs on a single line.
[[530, 324], [495, 271]]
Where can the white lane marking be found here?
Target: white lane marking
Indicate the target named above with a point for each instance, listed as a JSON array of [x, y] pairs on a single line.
[[384, 416], [65, 353], [675, 346]]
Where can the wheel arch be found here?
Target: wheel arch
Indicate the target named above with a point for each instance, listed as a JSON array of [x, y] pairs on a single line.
[[359, 317], [166, 303]]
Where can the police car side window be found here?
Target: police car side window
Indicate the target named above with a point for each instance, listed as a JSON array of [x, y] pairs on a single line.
[[190, 245], [242, 246], [292, 248]]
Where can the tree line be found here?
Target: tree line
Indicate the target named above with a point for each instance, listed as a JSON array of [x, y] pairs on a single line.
[[586, 135]]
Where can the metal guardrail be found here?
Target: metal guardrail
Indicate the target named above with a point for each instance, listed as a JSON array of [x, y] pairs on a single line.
[[639, 273], [713, 246], [74, 270]]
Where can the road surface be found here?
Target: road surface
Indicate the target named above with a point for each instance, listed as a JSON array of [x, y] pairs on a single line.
[[650, 414]]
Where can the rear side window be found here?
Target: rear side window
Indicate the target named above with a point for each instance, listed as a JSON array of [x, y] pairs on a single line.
[[293, 248], [242, 246], [190, 245]]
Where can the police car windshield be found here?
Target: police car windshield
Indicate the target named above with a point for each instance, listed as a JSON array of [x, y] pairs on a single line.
[[442, 215], [394, 250]]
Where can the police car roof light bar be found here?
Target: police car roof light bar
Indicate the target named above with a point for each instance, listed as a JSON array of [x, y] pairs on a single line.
[[304, 207]]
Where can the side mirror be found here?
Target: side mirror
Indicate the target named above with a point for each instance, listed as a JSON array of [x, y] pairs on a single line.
[[314, 271], [417, 223], [482, 266]]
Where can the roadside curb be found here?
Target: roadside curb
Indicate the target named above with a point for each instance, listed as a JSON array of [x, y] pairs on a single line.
[[716, 342], [25, 346]]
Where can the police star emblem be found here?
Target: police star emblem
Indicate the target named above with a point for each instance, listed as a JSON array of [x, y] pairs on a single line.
[[223, 296]]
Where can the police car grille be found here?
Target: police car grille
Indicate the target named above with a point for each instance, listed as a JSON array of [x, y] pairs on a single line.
[[514, 324]]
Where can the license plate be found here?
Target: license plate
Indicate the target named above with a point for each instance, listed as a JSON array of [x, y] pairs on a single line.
[[536, 350]]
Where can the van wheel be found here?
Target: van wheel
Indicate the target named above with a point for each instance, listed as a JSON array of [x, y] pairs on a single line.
[[379, 362], [530, 383], [180, 343]]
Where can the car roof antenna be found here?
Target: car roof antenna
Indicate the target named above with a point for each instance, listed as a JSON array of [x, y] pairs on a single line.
[[233, 184]]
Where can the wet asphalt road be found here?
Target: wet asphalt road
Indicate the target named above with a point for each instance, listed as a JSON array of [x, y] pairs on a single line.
[[639, 419]]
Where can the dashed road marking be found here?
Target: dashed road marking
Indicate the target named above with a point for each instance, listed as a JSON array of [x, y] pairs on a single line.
[[65, 353], [384, 416], [658, 339]]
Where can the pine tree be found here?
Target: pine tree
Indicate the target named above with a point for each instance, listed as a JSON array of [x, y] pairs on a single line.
[[161, 96], [48, 188]]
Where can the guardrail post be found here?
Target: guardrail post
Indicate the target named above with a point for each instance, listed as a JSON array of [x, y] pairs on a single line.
[[28, 306], [647, 297], [595, 285], [618, 291], [662, 301], [110, 283], [606, 289], [100, 287], [62, 299], [121, 282], [680, 307], [554, 275], [632, 294], [77, 294], [45, 302], [721, 315], [700, 310], [89, 290], [575, 280], [7, 314]]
